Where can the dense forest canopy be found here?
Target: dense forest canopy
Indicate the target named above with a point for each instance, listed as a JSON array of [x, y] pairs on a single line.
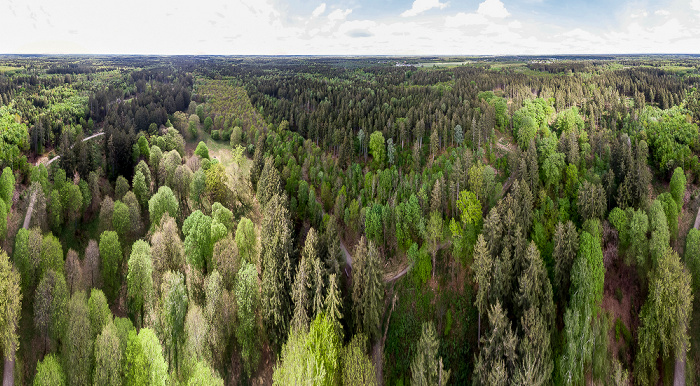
[[372, 220]]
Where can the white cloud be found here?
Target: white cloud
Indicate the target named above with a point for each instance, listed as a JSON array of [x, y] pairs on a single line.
[[642, 14], [420, 6], [695, 5], [319, 10], [494, 8], [465, 19], [662, 12], [339, 14]]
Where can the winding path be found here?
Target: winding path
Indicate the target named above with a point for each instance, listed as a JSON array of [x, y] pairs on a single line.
[[8, 378]]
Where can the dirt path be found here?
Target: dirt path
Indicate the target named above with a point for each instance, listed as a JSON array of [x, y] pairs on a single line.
[[84, 139], [679, 368]]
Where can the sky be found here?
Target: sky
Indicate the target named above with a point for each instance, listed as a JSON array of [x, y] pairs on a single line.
[[349, 27]]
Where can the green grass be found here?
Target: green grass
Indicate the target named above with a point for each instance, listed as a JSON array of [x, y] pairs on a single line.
[[4, 69]]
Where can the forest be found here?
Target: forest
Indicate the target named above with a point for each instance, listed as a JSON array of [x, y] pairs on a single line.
[[215, 220]]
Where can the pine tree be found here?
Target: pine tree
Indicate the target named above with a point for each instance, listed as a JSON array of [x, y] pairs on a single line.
[[426, 367], [367, 288]]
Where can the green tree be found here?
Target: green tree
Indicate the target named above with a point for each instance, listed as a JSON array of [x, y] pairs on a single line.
[[10, 306], [310, 356], [49, 372], [216, 181], [202, 150], [78, 349], [435, 234], [174, 304], [167, 250], [358, 369], [153, 354], [108, 357], [98, 311], [367, 288], [208, 123], [140, 279], [141, 189], [591, 201], [199, 246], [121, 219], [246, 240], [483, 272], [376, 147], [162, 202], [247, 301], [121, 187], [269, 183], [275, 248], [677, 186], [24, 261], [51, 254], [7, 186], [3, 220], [203, 375], [50, 304], [137, 367], [564, 255], [497, 358], [426, 367], [665, 317], [111, 255]]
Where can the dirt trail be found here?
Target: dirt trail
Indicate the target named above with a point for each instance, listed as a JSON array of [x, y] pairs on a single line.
[[84, 139], [679, 368]]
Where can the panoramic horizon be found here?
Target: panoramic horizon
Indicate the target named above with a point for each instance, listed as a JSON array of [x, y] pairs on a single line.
[[353, 28]]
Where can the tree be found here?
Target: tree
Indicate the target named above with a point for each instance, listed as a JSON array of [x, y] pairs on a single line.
[[227, 260], [483, 268], [269, 183], [275, 248], [25, 263], [51, 254], [10, 306], [140, 278], [167, 251], [7, 186], [108, 357], [3, 220], [665, 317], [91, 265], [106, 214], [497, 358], [591, 201], [677, 186], [162, 202], [203, 375], [153, 355], [111, 255], [246, 240], [216, 181], [247, 301], [174, 302], [435, 234], [49, 372], [78, 349], [137, 367], [199, 246], [50, 303], [208, 123], [99, 312], [376, 147], [202, 150], [121, 187], [121, 219], [141, 189], [358, 369], [564, 254], [390, 151], [313, 355], [74, 272], [426, 367], [196, 331], [458, 135], [367, 288]]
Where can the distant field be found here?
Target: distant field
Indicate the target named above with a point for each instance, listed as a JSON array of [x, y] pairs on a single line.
[[4, 69], [444, 64]]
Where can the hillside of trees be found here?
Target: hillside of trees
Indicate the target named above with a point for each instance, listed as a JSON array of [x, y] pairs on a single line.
[[345, 221]]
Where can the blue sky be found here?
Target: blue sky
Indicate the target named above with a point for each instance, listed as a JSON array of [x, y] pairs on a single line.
[[350, 27]]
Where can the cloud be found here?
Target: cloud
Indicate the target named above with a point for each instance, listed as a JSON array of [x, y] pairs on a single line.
[[319, 10], [695, 5], [359, 33], [494, 8], [420, 6], [489, 9], [642, 14], [339, 14], [662, 12]]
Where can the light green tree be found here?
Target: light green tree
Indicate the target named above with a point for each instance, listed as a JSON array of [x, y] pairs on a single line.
[[111, 255], [248, 301], [49, 372], [108, 358], [376, 147], [140, 279], [10, 306], [426, 367]]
